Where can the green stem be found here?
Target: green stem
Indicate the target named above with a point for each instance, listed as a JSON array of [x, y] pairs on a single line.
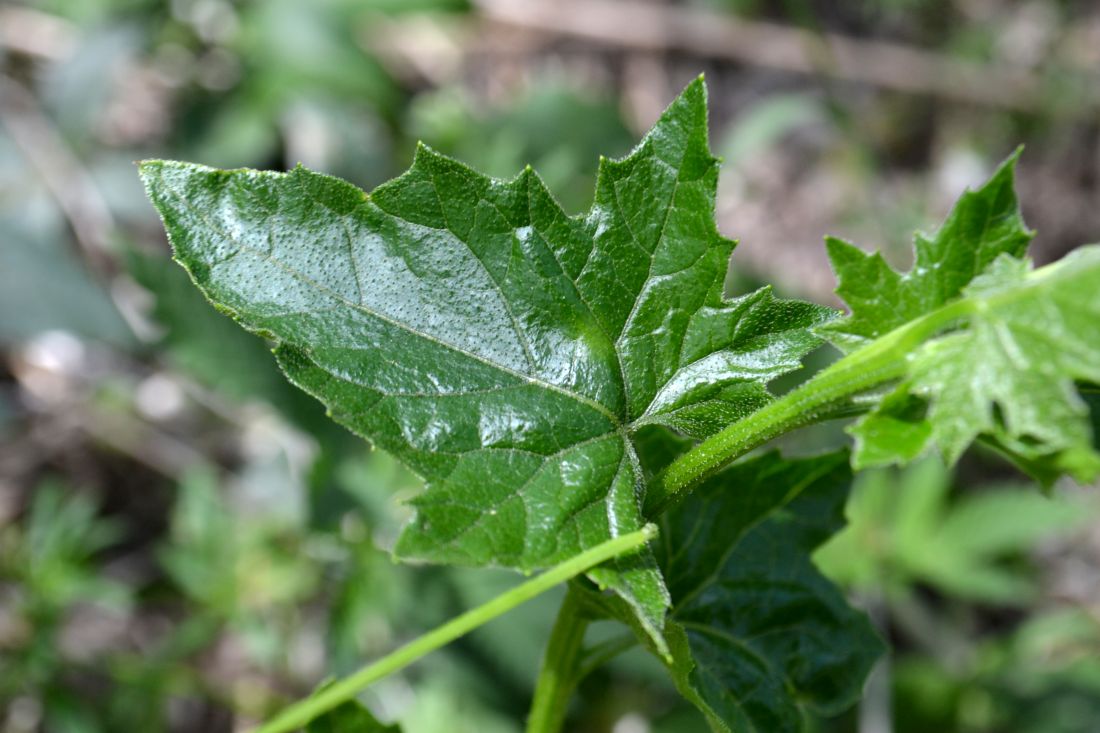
[[304, 711], [560, 665], [881, 361]]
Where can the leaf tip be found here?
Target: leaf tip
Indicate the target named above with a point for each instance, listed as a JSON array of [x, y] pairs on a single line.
[[421, 152], [696, 91], [148, 168], [698, 85], [1005, 171], [840, 250]]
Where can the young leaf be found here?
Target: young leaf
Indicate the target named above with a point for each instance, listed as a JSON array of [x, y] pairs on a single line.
[[1009, 372], [502, 349], [1030, 335], [984, 224]]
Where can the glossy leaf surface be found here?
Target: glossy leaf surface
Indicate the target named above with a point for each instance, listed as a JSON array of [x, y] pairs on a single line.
[[503, 350]]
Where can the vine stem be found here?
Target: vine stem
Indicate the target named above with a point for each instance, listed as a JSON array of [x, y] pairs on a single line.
[[883, 360], [304, 711], [560, 669]]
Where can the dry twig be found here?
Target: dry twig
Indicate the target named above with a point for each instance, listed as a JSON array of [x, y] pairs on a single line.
[[61, 171], [650, 27]]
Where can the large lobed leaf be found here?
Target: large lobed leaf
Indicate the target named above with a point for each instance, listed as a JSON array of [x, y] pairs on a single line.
[[499, 347]]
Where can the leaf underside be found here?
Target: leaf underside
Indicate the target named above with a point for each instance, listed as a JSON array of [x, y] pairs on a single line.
[[502, 349], [767, 635]]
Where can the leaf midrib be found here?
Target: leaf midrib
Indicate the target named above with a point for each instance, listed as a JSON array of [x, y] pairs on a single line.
[[649, 278]]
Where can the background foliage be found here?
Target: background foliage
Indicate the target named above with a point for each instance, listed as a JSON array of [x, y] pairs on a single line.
[[186, 541]]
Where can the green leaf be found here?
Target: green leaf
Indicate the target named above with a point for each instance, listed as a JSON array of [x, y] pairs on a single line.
[[503, 350], [1009, 370], [1031, 334], [984, 224], [895, 432], [1006, 373], [763, 633]]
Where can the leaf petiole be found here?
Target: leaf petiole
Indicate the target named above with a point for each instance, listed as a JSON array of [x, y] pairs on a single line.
[[302, 712], [560, 666]]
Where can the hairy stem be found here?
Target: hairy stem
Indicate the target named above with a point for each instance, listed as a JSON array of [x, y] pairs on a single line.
[[304, 711], [881, 361], [560, 666]]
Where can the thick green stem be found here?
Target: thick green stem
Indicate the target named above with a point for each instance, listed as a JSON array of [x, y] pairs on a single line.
[[304, 711], [882, 361], [560, 669]]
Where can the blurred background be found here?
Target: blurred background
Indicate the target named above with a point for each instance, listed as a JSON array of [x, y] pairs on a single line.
[[186, 543]]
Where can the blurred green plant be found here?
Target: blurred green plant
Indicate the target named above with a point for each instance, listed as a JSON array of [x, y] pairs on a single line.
[[44, 287], [1042, 677], [904, 529], [526, 132], [51, 556], [908, 536], [48, 563]]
